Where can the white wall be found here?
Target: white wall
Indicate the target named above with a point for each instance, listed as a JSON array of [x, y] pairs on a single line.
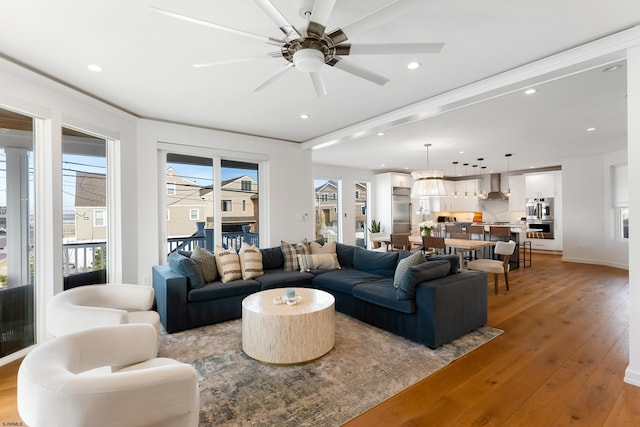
[[589, 233], [349, 177]]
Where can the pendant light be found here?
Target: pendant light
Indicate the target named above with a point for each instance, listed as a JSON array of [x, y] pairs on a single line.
[[481, 194], [465, 180], [429, 182], [475, 189], [508, 175], [455, 183]]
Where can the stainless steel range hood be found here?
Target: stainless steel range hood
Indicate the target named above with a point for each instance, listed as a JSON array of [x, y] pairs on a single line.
[[495, 193]]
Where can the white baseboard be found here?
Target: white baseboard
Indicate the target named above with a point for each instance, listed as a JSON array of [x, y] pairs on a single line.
[[632, 377], [596, 262]]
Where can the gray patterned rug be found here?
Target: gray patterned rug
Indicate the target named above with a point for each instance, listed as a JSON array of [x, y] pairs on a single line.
[[366, 366]]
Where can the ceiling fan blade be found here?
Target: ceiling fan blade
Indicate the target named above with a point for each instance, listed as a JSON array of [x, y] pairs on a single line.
[[318, 84], [357, 70], [388, 48], [285, 26], [192, 20], [379, 16], [320, 16], [273, 77], [231, 61]]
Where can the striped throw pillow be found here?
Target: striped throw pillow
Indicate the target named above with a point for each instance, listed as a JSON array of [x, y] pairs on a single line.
[[250, 261], [228, 264]]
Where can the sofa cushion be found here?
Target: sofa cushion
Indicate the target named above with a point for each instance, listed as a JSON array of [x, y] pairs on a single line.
[[284, 279], [429, 270], [186, 267], [228, 264], [272, 258], [290, 253], [404, 264], [217, 290], [382, 263], [345, 255], [318, 262], [319, 248], [383, 293], [250, 261], [206, 262], [454, 261], [344, 280]]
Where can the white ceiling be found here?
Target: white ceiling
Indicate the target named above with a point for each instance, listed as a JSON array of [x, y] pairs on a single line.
[[148, 60]]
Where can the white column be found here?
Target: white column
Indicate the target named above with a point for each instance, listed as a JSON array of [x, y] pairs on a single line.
[[17, 217], [632, 374]]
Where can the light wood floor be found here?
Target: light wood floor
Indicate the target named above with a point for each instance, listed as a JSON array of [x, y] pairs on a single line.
[[560, 361]]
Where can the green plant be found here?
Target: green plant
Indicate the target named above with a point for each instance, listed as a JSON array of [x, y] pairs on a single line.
[[375, 226]]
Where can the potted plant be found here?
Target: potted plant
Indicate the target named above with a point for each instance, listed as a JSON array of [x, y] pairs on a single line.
[[375, 226], [375, 231]]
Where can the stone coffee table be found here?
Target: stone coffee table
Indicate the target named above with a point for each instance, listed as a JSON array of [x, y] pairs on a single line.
[[286, 334]]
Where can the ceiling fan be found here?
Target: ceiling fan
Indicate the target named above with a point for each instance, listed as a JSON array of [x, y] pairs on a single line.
[[308, 49]]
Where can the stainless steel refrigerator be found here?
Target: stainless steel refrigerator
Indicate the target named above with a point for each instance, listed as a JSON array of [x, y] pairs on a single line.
[[401, 210]]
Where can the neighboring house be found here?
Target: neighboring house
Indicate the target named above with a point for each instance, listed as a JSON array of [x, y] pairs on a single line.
[[326, 197], [238, 201], [185, 206], [90, 207]]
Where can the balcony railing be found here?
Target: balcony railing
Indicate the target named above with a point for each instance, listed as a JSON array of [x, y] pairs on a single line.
[[84, 257], [229, 240]]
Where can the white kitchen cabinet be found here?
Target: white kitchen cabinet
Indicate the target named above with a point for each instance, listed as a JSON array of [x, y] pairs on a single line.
[[544, 244], [517, 198], [540, 185], [383, 185]]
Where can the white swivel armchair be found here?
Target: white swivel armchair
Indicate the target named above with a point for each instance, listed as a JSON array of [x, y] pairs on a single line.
[[100, 305], [496, 266], [59, 383]]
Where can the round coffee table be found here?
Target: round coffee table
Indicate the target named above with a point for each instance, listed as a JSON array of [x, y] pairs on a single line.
[[285, 334]]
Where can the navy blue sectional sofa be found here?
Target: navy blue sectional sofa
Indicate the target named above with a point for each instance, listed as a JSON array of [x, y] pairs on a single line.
[[443, 302]]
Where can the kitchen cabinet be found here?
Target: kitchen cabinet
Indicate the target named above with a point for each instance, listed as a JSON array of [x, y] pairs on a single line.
[[540, 185], [383, 206], [450, 203], [517, 198]]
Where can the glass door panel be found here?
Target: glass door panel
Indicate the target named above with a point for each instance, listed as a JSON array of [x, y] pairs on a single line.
[[85, 209], [361, 214], [327, 207], [17, 231], [239, 207]]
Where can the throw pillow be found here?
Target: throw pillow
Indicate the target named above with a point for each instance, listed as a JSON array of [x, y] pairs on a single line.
[[380, 263], [206, 262], [454, 260], [228, 264], [318, 262], [187, 267], [429, 270], [290, 253], [327, 248], [250, 261], [272, 258], [404, 265]]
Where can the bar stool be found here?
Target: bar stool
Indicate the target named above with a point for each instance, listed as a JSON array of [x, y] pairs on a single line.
[[525, 245]]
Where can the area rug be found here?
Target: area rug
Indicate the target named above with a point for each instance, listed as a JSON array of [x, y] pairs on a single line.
[[366, 366]]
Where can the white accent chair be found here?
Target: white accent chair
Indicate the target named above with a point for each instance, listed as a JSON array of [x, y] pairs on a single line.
[[60, 383], [496, 266], [100, 305]]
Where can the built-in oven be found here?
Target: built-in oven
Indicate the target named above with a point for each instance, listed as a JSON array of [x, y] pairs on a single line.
[[540, 229], [540, 209]]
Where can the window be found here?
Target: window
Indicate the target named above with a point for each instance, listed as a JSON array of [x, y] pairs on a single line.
[[324, 197], [171, 188], [226, 206], [327, 217], [244, 205], [334, 196], [168, 214], [620, 183], [357, 194], [623, 215], [245, 185], [194, 214], [99, 218]]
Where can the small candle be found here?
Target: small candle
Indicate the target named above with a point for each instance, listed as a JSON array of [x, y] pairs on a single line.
[[290, 293]]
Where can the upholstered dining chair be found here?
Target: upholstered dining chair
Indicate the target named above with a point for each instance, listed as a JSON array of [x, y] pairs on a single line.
[[100, 305], [106, 376], [399, 242], [494, 266]]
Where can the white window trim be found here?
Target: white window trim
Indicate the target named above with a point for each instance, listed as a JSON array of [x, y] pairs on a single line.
[[191, 211], [104, 218]]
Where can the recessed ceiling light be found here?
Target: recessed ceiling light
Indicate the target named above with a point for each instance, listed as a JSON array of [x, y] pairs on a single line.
[[382, 165], [529, 91], [95, 68], [610, 68], [460, 152], [590, 129], [304, 116], [380, 133], [413, 65]]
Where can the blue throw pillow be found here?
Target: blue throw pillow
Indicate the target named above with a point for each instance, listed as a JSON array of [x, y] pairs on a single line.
[[404, 264], [187, 267], [345, 255], [424, 272], [272, 258], [454, 261], [382, 263]]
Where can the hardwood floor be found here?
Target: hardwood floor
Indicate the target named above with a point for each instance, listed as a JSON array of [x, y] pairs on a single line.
[[560, 361]]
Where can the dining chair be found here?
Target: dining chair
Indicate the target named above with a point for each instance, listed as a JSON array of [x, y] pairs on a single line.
[[399, 242], [452, 228], [496, 266], [500, 233], [435, 243], [476, 230]]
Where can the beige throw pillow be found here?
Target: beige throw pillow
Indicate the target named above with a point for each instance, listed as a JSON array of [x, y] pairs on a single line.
[[327, 248], [290, 253], [206, 262], [318, 262], [228, 264], [250, 261]]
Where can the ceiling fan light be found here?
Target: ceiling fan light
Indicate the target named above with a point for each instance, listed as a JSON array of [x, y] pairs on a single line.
[[308, 60]]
